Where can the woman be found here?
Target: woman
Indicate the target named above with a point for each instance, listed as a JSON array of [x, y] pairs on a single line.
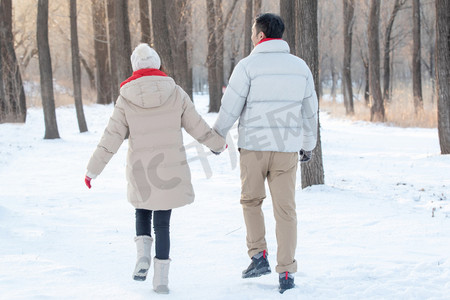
[[153, 110]]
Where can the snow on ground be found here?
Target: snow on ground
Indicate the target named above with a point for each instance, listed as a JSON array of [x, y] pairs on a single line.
[[378, 228]]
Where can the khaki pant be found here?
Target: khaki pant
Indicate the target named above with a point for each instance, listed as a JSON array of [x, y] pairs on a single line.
[[280, 170]]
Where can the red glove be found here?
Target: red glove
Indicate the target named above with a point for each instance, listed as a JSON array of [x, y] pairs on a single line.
[[87, 180]]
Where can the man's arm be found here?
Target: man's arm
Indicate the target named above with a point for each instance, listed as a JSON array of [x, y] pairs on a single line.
[[310, 108], [233, 100]]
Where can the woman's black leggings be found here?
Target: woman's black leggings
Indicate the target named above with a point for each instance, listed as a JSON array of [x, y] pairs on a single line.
[[161, 224]]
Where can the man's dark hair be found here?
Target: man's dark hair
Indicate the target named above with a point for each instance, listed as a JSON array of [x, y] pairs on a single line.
[[270, 24]]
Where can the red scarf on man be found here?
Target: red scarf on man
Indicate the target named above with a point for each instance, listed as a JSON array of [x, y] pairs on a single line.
[[143, 72], [266, 40]]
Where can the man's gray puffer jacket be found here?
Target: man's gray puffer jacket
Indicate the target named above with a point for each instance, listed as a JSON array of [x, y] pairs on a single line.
[[273, 93]]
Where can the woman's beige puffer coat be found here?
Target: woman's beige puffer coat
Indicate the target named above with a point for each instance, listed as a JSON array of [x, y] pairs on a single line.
[[153, 109]]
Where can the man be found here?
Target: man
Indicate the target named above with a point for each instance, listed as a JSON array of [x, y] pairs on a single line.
[[272, 93]]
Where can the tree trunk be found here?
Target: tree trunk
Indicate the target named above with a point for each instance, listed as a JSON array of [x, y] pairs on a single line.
[[308, 49], [220, 34], [215, 91], [112, 46], [103, 75], [349, 12], [2, 86], [45, 68], [144, 12], [377, 109], [177, 18], [123, 40], [387, 50], [366, 84], [161, 34], [88, 70], [13, 104], [76, 68], [416, 69], [248, 23], [221, 25], [333, 80], [287, 13], [257, 7], [443, 72]]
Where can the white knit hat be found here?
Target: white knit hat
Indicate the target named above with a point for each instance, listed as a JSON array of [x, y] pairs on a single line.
[[145, 57]]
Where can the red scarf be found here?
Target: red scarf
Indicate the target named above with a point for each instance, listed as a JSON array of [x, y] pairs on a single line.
[[143, 72], [267, 39]]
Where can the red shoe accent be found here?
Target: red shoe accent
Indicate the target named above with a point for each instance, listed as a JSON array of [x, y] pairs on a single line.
[[264, 253], [287, 275]]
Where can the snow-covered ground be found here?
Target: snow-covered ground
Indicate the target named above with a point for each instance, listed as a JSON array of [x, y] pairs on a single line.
[[378, 229]]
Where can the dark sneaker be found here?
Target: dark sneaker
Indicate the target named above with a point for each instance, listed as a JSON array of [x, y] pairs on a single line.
[[286, 282], [259, 266]]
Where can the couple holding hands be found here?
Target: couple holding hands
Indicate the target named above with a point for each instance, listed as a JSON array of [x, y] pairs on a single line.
[[272, 94]]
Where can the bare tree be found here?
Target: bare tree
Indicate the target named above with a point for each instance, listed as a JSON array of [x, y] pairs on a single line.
[[248, 27], [45, 68], [428, 23], [161, 34], [349, 12], [123, 40], [443, 72], [2, 86], [387, 49], [76, 68], [312, 172], [213, 83], [177, 12], [257, 7], [377, 110], [221, 25], [416, 69], [287, 13], [12, 96], [366, 80], [89, 71], [145, 21], [103, 75], [112, 47]]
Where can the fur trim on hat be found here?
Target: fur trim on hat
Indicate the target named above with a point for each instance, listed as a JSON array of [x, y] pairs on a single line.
[[145, 57]]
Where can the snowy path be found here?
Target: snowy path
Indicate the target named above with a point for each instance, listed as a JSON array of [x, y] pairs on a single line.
[[368, 233]]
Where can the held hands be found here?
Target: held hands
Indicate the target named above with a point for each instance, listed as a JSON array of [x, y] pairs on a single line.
[[305, 156], [217, 153]]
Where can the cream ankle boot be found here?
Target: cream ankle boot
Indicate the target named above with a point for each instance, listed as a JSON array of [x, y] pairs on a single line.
[[161, 277], [143, 260]]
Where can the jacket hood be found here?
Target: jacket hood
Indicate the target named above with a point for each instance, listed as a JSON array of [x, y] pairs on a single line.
[[148, 91]]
